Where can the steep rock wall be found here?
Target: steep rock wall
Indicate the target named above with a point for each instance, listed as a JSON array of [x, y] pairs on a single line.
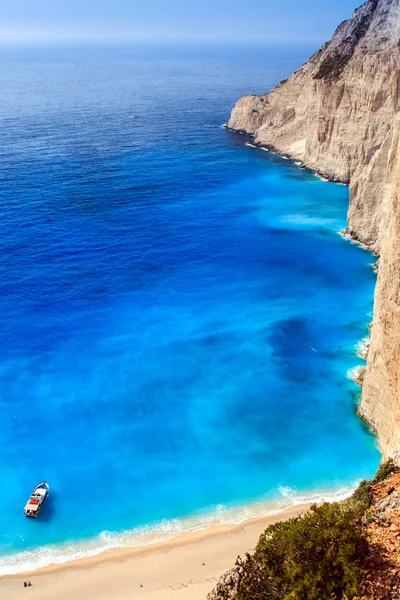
[[381, 390], [339, 115]]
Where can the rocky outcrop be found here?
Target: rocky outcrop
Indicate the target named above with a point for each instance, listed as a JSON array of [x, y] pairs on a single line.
[[226, 587], [381, 572], [339, 115]]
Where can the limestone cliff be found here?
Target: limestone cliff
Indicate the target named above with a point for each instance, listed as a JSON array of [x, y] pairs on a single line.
[[339, 115]]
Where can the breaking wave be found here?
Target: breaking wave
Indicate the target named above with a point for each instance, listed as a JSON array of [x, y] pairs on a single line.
[[164, 531], [355, 373], [362, 347]]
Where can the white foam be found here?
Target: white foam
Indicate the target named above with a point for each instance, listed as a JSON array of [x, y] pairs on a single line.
[[301, 219], [321, 177], [354, 374], [362, 347], [346, 236], [318, 496], [272, 152], [44, 556]]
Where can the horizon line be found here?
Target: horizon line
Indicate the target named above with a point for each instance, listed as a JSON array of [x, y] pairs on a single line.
[[131, 41], [16, 36]]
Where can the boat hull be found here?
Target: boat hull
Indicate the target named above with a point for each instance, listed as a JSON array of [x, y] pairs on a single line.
[[36, 501]]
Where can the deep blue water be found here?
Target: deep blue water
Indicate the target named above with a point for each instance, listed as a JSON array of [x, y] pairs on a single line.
[[178, 311]]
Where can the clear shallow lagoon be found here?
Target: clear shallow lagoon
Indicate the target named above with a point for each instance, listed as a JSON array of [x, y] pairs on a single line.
[[178, 311]]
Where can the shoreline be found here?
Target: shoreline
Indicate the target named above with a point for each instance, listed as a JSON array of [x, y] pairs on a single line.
[[286, 156], [216, 543], [348, 235], [107, 545], [194, 560], [143, 539]]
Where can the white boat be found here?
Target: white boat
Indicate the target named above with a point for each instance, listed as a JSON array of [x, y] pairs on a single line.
[[36, 501]]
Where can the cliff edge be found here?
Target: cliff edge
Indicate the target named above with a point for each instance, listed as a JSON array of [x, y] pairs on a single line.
[[339, 115]]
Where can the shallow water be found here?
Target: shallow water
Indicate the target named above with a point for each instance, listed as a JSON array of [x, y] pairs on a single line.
[[178, 310]]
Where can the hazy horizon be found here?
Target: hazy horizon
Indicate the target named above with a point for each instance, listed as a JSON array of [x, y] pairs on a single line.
[[127, 21]]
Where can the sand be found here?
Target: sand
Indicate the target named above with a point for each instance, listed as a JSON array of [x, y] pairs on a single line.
[[184, 568]]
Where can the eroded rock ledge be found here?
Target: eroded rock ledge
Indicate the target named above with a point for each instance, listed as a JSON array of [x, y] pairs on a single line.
[[339, 115]]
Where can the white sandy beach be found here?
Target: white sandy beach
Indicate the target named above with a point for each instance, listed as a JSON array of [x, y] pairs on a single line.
[[184, 568]]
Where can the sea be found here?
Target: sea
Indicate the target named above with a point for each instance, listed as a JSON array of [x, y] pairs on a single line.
[[180, 316]]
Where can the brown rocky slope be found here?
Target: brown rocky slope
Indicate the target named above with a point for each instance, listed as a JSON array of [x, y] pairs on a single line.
[[375, 508], [339, 115]]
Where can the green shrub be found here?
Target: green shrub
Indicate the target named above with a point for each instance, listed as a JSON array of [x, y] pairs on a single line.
[[363, 493], [314, 557], [385, 470]]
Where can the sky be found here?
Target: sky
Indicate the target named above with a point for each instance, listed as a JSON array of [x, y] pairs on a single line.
[[240, 21]]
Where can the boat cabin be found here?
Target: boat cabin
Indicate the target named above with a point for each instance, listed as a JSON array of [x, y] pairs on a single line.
[[33, 506]]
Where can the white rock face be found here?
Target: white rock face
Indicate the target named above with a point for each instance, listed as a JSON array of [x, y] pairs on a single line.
[[339, 114], [381, 391]]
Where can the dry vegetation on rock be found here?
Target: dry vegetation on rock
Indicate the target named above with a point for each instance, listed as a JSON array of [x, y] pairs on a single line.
[[335, 551]]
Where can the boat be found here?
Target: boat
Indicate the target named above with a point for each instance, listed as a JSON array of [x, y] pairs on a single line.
[[36, 501]]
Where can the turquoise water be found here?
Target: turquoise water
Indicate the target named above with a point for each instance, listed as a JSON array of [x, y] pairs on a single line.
[[179, 313]]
